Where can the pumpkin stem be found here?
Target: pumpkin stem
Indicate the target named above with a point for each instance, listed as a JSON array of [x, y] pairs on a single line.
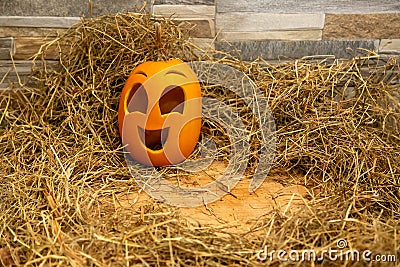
[[158, 34]]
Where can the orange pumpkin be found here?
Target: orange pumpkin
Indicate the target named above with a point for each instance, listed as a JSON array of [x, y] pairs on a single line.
[[159, 113]]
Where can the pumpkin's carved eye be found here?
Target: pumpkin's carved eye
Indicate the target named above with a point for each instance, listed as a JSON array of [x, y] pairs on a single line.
[[137, 99], [141, 73], [172, 100]]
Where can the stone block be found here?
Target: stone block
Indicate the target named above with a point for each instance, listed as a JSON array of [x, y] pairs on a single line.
[[12, 74], [184, 2], [251, 50], [362, 26], [6, 42], [185, 11], [242, 22], [391, 46], [38, 22], [272, 35], [7, 48], [198, 28], [309, 6], [203, 43], [27, 47], [28, 31], [71, 8]]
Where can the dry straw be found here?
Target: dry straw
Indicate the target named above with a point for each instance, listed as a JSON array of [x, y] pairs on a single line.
[[62, 165]]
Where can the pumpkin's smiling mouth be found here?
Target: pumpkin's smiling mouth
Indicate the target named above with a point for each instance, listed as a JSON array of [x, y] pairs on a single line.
[[153, 139]]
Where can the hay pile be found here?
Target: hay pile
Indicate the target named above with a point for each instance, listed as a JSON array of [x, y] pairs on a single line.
[[62, 165]]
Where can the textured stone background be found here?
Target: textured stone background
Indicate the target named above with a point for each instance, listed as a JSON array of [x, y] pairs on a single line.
[[275, 30], [70, 8], [184, 2], [309, 6], [361, 26], [283, 50]]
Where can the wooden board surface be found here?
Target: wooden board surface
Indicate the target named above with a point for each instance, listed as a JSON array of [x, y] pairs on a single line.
[[310, 6], [236, 212]]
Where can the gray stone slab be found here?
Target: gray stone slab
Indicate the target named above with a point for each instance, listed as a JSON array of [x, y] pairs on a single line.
[[5, 53], [250, 50], [272, 35], [6, 42], [184, 2], [11, 74], [71, 8], [7, 48], [310, 6]]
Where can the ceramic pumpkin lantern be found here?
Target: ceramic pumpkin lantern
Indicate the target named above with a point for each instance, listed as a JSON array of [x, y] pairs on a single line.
[[159, 112]]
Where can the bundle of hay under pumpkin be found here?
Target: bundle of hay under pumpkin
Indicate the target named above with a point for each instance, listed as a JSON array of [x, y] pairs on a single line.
[[68, 197]]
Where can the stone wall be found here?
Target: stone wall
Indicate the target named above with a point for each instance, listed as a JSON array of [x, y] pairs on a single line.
[[275, 30], [70, 8]]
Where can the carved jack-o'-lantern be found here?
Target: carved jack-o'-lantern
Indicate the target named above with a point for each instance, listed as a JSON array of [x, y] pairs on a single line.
[[159, 112]]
